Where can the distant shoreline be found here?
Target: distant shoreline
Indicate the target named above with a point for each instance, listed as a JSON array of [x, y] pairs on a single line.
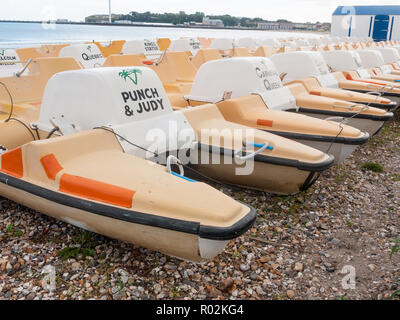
[[157, 26]]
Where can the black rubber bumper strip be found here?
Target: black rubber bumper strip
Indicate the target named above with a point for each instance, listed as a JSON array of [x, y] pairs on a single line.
[[305, 166], [388, 116], [393, 105], [238, 228], [385, 94], [379, 130], [391, 94], [195, 228], [389, 107], [330, 139]]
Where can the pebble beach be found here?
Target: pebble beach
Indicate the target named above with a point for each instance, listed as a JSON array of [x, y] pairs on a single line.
[[301, 247]]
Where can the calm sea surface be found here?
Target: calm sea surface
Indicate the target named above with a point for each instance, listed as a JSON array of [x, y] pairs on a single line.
[[26, 34]]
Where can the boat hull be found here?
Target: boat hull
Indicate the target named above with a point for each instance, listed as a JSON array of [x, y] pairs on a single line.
[[339, 147], [365, 125], [292, 178], [171, 242], [340, 151], [393, 97]]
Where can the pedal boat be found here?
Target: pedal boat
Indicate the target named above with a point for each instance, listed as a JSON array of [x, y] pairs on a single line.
[[110, 47], [217, 82], [327, 136], [189, 45], [175, 69], [177, 74], [391, 57], [44, 51], [26, 90], [319, 94], [145, 49], [87, 180], [374, 61], [313, 72], [10, 62], [102, 99], [87, 55], [348, 70]]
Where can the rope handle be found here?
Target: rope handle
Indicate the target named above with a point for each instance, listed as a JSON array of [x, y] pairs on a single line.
[[17, 61], [20, 73], [350, 107], [382, 89], [261, 147], [374, 93], [156, 62], [174, 160], [336, 119]]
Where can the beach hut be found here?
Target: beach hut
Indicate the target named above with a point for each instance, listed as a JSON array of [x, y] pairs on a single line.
[[378, 22]]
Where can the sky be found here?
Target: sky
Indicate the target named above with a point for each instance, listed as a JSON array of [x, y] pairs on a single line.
[[77, 10]]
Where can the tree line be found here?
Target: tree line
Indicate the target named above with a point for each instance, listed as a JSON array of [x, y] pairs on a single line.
[[182, 17]]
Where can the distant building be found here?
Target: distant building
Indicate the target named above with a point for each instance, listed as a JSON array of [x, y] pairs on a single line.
[[275, 25], [213, 22], [322, 27], [102, 18], [303, 26], [268, 25], [123, 22], [379, 22], [62, 20]]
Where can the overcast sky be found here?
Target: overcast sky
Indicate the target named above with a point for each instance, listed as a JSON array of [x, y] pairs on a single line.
[[77, 10]]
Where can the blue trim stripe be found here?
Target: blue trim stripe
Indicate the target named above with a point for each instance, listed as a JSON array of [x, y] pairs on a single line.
[[258, 145], [370, 26], [182, 177], [391, 29], [367, 10], [351, 22]]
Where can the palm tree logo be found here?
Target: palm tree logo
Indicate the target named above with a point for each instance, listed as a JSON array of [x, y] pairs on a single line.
[[124, 74], [89, 48], [2, 52]]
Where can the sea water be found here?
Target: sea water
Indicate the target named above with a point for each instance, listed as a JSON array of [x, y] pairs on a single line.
[[28, 34]]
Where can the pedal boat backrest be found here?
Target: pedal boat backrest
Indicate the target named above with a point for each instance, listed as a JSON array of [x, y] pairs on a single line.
[[191, 45], [88, 55], [346, 62], [146, 47], [371, 58], [390, 55], [238, 77], [224, 45], [304, 64], [130, 101], [205, 55], [10, 63]]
